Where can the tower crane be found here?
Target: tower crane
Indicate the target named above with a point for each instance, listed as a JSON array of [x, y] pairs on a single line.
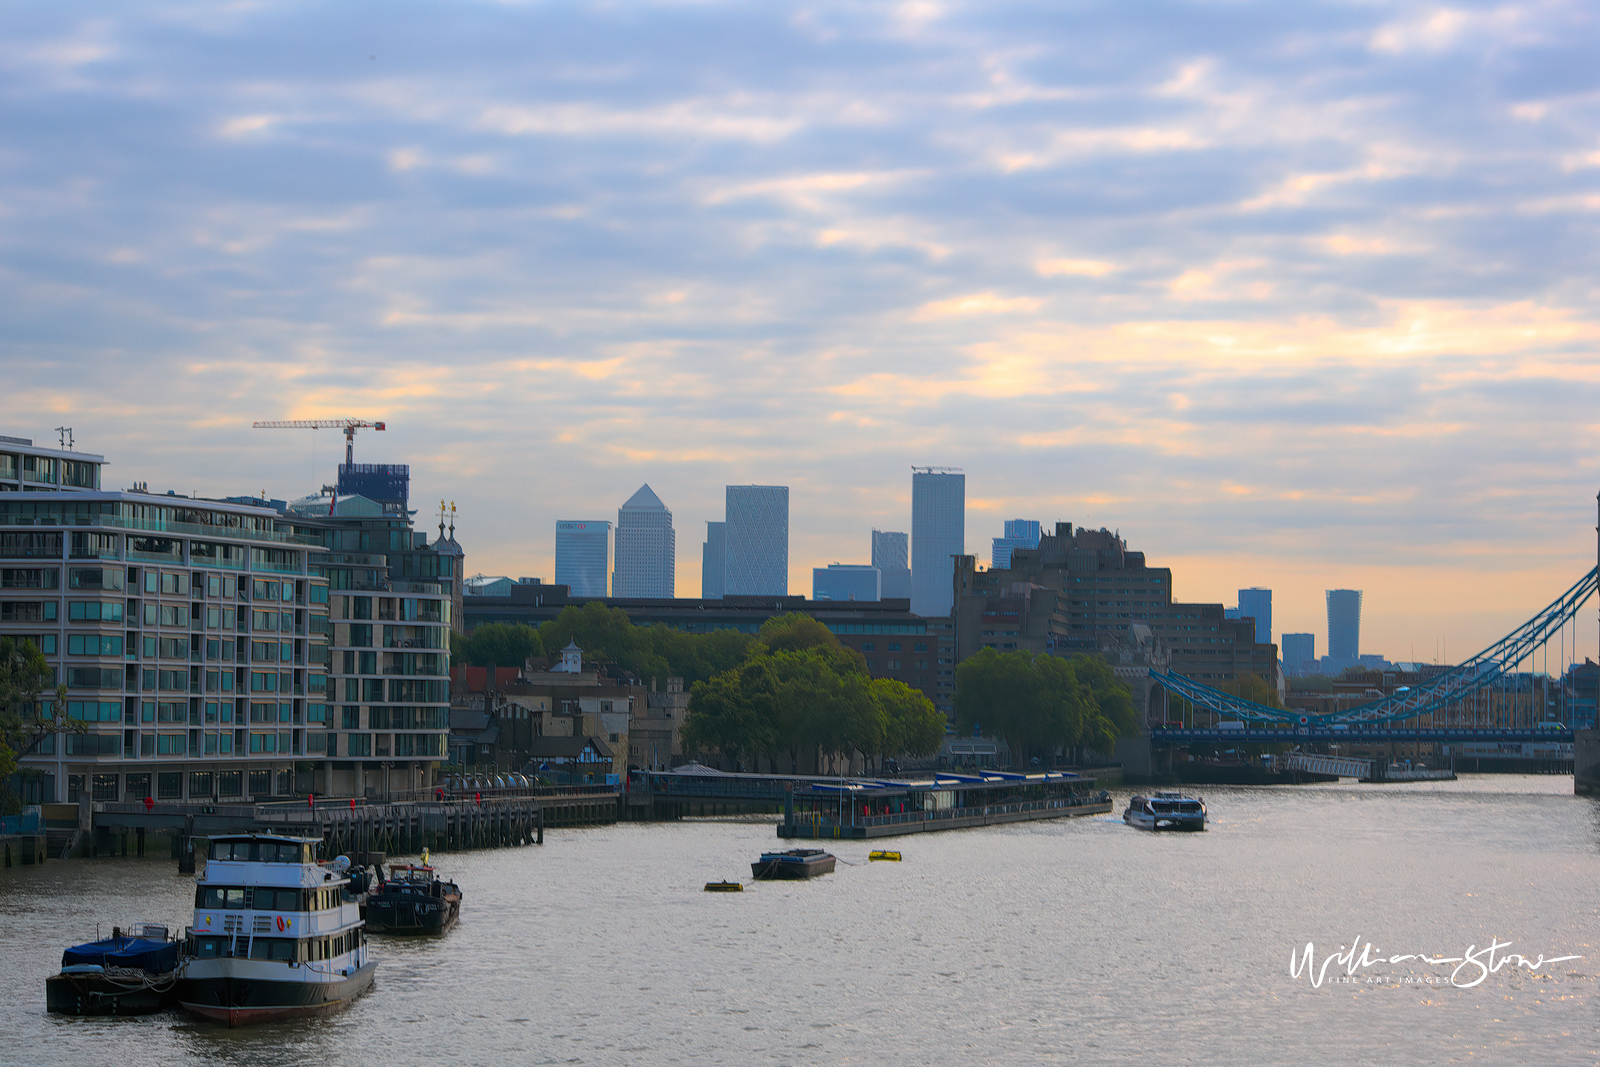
[[349, 426]]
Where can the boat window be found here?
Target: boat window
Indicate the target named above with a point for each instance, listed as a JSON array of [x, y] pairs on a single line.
[[209, 947], [276, 899], [224, 850], [279, 852], [272, 948], [220, 896]]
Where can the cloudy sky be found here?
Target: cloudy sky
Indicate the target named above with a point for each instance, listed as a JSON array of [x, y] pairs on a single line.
[[1294, 295]]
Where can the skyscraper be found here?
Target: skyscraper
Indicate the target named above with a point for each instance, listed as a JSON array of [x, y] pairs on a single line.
[[583, 555], [1020, 533], [938, 534], [1256, 603], [646, 548], [1299, 651], [1344, 626], [756, 544], [891, 555], [713, 560]]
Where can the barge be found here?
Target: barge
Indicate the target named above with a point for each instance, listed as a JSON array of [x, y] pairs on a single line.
[[412, 900], [796, 863], [124, 974], [858, 809]]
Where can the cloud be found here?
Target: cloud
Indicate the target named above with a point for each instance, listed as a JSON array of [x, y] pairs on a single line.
[[1300, 295]]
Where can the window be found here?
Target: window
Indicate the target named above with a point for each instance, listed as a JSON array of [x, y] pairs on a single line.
[[893, 646], [94, 645], [169, 785], [200, 783], [94, 578], [359, 745], [349, 718], [920, 646]]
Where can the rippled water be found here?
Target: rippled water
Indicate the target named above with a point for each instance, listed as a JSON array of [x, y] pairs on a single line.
[[1071, 941]]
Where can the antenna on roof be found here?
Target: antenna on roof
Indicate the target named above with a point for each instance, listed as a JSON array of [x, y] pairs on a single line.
[[65, 433]]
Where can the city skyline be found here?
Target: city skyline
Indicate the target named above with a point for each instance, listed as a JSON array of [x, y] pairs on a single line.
[[1249, 289]]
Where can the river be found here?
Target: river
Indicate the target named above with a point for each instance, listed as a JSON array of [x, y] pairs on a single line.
[[1078, 941]]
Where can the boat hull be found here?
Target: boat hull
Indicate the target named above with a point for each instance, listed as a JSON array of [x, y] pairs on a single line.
[[99, 994], [410, 916], [1163, 823], [787, 868], [242, 1000]]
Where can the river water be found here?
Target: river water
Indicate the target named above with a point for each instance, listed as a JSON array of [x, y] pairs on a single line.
[[1069, 941]]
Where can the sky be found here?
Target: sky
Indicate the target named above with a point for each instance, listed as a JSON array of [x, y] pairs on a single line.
[[1291, 295]]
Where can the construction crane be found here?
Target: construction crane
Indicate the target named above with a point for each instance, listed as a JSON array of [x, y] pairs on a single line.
[[349, 426]]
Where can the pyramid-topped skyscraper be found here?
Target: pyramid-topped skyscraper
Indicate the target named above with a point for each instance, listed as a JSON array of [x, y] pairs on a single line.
[[646, 547]]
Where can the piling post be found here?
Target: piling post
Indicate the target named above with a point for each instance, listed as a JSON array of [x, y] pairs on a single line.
[[186, 855], [541, 825]]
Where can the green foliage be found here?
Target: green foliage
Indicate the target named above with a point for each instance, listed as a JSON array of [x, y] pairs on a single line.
[[646, 651], [1043, 704], [505, 644], [798, 689], [24, 673]]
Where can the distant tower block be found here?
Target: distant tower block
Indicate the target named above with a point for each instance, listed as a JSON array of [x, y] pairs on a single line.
[[583, 555], [891, 554], [757, 545], [713, 561], [646, 548], [938, 535], [1344, 626]]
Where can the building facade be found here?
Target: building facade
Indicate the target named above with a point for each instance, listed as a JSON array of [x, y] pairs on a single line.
[[583, 556], [646, 548], [938, 535], [1020, 533], [1344, 627], [891, 554], [1078, 584], [846, 581], [1299, 653], [1256, 603], [756, 542], [192, 636], [713, 560]]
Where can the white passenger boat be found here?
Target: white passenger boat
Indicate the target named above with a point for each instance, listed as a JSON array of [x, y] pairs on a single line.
[[276, 934], [1166, 811]]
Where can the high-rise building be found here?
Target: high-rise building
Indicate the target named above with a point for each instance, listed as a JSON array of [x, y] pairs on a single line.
[[1344, 626], [938, 535], [1020, 533], [713, 560], [1256, 603], [846, 581], [756, 541], [646, 548], [891, 555], [583, 555], [1299, 653]]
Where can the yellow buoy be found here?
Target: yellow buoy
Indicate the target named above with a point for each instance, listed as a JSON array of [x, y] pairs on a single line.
[[881, 855], [724, 887]]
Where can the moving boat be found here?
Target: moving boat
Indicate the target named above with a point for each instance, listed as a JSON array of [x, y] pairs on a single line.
[[276, 934], [413, 900], [1166, 811], [794, 863], [124, 974]]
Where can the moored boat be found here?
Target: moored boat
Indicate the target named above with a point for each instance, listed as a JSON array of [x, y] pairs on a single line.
[[1166, 811], [276, 934], [793, 863], [412, 900], [124, 974]]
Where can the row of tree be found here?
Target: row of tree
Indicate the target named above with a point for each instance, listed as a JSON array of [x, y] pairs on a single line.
[[606, 634], [24, 676], [800, 692], [1044, 706]]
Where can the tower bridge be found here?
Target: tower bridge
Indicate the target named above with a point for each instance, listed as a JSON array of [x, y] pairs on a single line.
[[1499, 695]]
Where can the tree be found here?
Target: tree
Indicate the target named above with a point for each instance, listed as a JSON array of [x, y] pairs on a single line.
[[24, 673], [1043, 704], [504, 644], [914, 727]]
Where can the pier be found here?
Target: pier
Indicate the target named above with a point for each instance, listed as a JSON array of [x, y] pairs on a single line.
[[495, 818]]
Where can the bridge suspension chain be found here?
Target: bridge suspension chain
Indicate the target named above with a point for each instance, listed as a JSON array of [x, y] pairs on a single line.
[[1471, 675]]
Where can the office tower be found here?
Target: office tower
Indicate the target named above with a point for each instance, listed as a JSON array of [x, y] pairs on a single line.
[[713, 561], [1256, 603], [1344, 626], [846, 581], [938, 535], [646, 548], [756, 541], [892, 557], [583, 555], [1299, 652], [1020, 533]]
